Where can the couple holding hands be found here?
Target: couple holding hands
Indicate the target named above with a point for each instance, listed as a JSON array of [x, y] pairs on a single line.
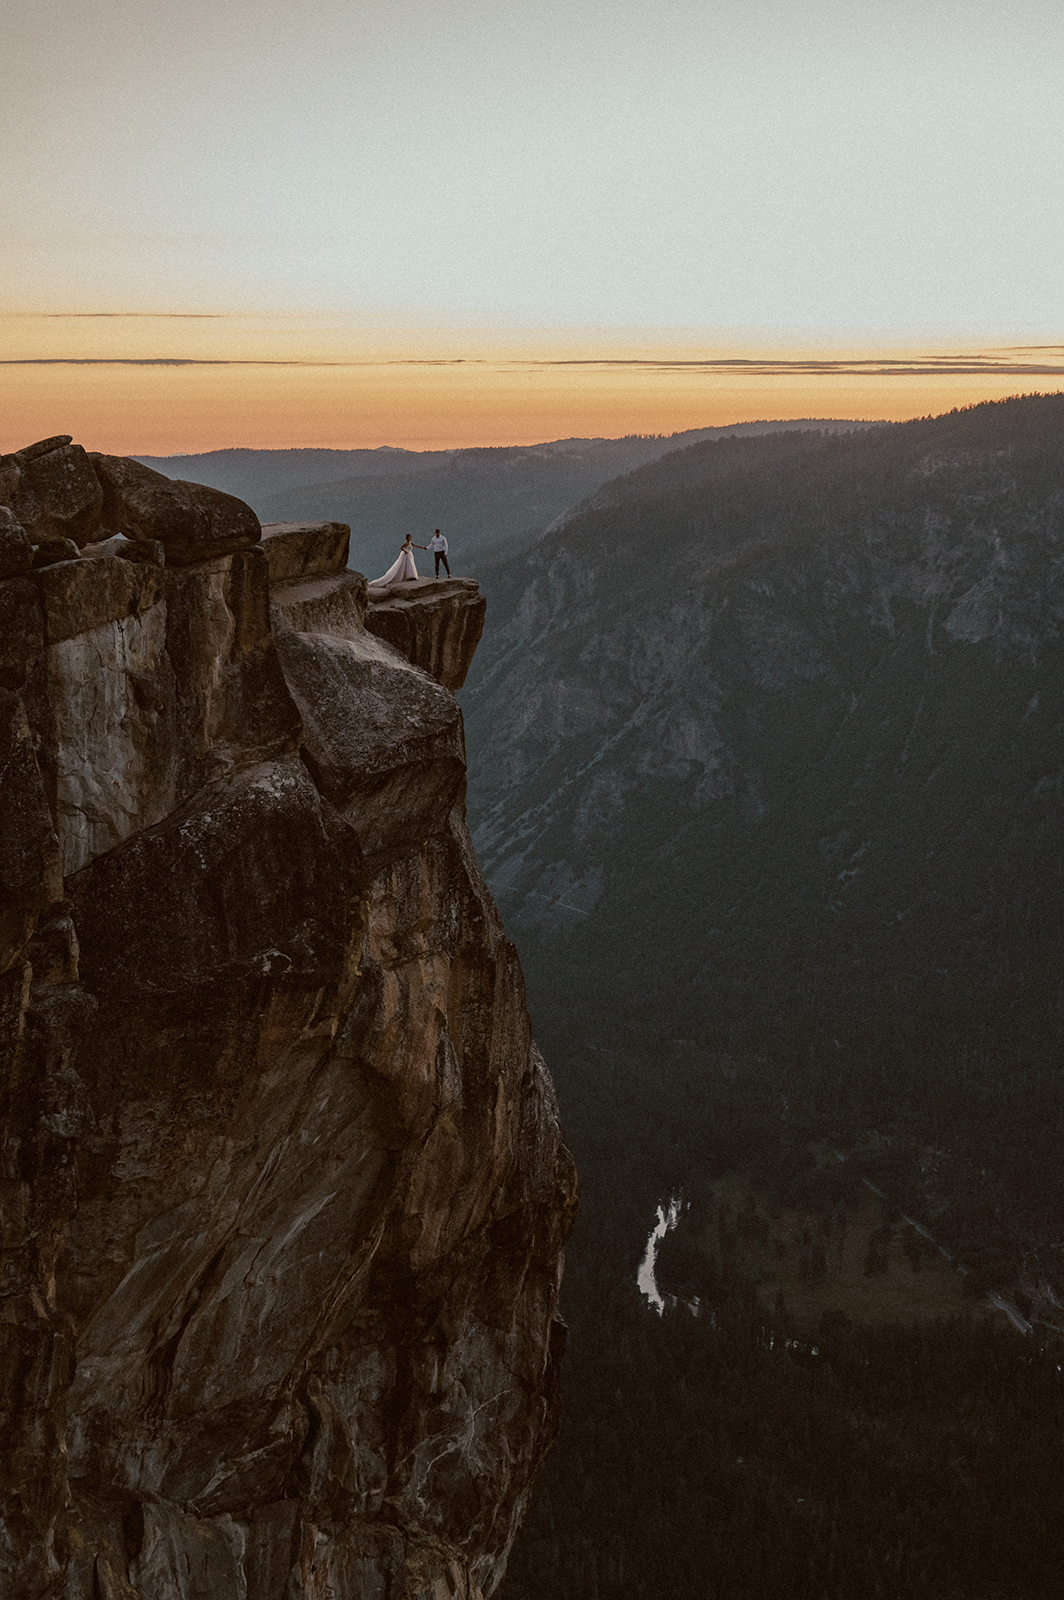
[[404, 569]]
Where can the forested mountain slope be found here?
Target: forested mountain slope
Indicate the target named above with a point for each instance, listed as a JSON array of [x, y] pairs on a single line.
[[771, 757], [769, 783]]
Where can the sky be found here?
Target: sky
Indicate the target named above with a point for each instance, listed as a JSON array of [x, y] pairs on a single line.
[[437, 222]]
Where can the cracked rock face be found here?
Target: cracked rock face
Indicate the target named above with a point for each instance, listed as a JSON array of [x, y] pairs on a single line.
[[282, 1192]]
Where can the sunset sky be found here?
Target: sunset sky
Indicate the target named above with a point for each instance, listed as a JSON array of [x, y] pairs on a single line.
[[440, 223]]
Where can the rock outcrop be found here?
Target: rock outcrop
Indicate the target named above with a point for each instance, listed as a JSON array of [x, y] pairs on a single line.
[[192, 523], [54, 491], [434, 622], [282, 1194]]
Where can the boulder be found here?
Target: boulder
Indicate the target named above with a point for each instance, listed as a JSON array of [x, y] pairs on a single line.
[[89, 594], [383, 741], [43, 447], [16, 551], [149, 550], [305, 549], [58, 494], [193, 523], [55, 550], [252, 871]]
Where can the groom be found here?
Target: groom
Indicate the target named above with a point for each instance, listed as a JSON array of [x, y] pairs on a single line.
[[438, 546]]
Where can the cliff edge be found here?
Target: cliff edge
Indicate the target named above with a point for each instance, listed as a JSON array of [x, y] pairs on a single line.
[[283, 1193]]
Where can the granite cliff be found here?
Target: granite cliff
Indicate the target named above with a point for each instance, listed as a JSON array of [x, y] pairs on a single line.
[[282, 1194]]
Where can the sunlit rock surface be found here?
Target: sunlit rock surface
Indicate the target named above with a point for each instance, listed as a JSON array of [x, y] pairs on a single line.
[[283, 1193]]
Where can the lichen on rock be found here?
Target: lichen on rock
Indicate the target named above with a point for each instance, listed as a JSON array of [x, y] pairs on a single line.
[[282, 1188]]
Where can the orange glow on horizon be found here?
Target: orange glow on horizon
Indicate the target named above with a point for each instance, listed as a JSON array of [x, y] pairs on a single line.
[[167, 411], [285, 382]]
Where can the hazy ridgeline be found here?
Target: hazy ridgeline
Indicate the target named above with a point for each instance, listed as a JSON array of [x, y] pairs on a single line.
[[485, 500], [767, 755]]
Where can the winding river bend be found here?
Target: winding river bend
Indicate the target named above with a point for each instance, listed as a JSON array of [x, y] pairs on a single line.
[[646, 1281]]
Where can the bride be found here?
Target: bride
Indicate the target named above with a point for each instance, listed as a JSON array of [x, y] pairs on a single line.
[[403, 570]]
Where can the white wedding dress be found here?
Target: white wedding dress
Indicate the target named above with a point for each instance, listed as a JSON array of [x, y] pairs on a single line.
[[398, 571]]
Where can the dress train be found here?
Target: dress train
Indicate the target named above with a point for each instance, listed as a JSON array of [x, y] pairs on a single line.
[[398, 571]]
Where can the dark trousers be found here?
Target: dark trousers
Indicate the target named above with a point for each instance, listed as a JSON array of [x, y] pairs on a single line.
[[440, 556]]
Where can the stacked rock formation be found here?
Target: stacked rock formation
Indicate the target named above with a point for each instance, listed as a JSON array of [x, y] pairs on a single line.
[[282, 1189]]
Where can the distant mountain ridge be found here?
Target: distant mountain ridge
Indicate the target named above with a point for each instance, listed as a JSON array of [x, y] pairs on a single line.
[[253, 473], [687, 464], [483, 498]]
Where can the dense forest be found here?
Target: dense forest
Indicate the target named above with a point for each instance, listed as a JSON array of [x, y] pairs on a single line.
[[768, 770], [770, 1444]]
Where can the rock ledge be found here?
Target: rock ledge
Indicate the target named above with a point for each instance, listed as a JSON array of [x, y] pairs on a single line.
[[436, 623]]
